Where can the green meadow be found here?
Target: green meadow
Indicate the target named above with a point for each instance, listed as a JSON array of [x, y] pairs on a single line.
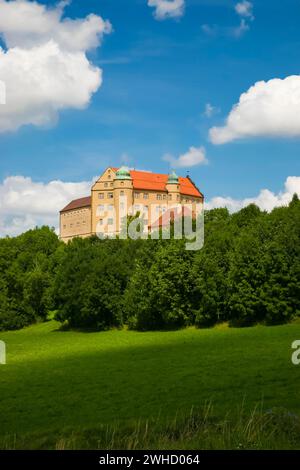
[[71, 383]]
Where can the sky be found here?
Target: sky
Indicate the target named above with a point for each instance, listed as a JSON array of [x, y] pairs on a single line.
[[210, 88]]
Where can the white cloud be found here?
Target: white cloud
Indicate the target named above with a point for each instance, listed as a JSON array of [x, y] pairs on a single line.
[[43, 80], [245, 9], [44, 66], [210, 110], [2, 92], [265, 200], [194, 156], [25, 204], [241, 29], [267, 109], [25, 24], [167, 8]]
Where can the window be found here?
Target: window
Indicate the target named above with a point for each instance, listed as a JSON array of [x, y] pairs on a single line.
[[110, 195], [109, 177], [146, 196], [111, 185], [101, 221], [101, 195], [122, 206], [105, 185], [136, 207], [100, 208], [122, 183], [170, 197], [158, 197], [164, 196], [136, 195], [110, 207], [110, 221], [64, 226], [122, 193], [178, 197]]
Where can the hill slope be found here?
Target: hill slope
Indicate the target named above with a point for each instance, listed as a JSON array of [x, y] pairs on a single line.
[[55, 380]]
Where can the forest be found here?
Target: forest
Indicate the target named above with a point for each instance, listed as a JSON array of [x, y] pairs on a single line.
[[247, 273]]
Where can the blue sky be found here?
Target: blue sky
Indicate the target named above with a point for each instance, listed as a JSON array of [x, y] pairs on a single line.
[[158, 76]]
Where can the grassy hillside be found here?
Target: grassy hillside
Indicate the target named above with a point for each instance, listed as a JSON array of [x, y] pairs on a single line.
[[57, 380]]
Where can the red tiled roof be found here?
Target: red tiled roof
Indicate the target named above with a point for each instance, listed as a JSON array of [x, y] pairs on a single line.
[[77, 204], [144, 180], [157, 182]]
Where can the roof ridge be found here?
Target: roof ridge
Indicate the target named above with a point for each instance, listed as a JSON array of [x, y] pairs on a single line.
[[74, 203]]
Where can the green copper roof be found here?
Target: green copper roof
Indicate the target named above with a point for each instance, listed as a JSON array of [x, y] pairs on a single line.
[[173, 178], [123, 173]]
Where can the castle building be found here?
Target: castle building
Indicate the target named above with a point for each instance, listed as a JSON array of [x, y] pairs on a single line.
[[120, 192]]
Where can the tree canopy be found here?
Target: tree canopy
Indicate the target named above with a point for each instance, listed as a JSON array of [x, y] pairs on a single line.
[[248, 272]]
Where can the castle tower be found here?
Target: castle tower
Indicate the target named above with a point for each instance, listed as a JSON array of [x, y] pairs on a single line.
[[173, 188], [123, 195]]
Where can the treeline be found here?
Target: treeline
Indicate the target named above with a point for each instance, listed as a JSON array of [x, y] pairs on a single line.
[[247, 273]]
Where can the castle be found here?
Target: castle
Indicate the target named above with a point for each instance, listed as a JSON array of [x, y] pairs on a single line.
[[120, 192]]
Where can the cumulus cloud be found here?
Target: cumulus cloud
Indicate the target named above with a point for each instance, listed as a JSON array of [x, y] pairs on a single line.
[[245, 9], [44, 66], [25, 23], [25, 204], [2, 92], [267, 109], [265, 200], [167, 8], [194, 156]]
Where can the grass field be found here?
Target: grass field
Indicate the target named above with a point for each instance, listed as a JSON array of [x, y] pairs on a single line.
[[58, 383]]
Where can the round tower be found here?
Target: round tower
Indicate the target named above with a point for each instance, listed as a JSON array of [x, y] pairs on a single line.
[[173, 188]]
